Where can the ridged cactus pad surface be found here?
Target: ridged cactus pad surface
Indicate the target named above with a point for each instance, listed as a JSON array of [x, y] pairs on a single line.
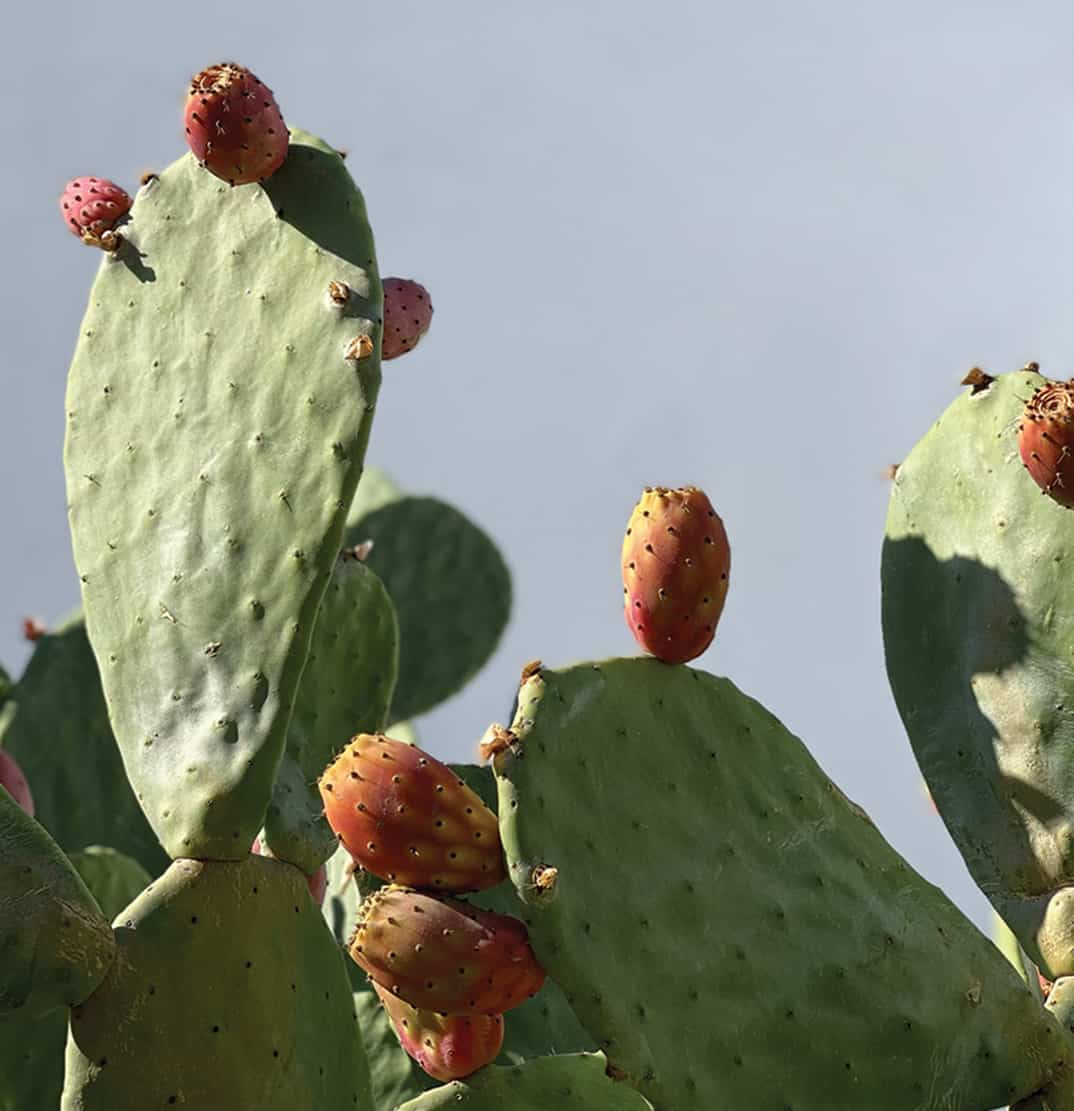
[[218, 409], [780, 953], [228, 992], [978, 613], [569, 1082], [346, 689], [449, 583], [31, 1050], [55, 944], [56, 725]]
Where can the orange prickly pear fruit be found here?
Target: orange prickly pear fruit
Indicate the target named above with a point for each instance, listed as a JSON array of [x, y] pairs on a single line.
[[443, 954], [448, 1047], [409, 819], [676, 562]]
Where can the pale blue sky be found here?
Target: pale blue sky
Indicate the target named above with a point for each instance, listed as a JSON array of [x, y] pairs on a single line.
[[751, 247]]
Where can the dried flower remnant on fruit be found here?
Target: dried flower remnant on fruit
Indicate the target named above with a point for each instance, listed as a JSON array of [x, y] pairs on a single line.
[[361, 347], [497, 739], [339, 293]]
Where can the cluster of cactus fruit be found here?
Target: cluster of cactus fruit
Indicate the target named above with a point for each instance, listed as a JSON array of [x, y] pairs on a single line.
[[647, 894]]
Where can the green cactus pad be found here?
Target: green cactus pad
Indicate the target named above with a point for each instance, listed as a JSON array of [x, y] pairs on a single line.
[[31, 1050], [215, 436], [450, 586], [978, 614], [571, 1082], [56, 726], [545, 1024], [5, 686], [346, 689], [114, 880], [266, 1022], [55, 944], [773, 939]]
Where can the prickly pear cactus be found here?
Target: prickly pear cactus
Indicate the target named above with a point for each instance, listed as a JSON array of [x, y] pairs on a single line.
[[346, 689], [56, 943], [81, 792], [978, 615], [228, 992], [449, 583], [570, 1082], [218, 408], [31, 1050], [772, 930]]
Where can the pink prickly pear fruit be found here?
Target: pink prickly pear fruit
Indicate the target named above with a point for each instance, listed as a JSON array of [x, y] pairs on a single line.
[[317, 883], [409, 819], [233, 125], [676, 562], [1046, 440], [444, 955], [408, 312], [447, 1047], [91, 208], [12, 778], [33, 629]]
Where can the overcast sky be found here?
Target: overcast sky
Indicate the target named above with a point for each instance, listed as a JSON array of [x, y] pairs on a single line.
[[751, 247]]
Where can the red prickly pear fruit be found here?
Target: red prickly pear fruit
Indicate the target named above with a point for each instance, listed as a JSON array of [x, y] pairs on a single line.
[[409, 819], [444, 955], [33, 629], [233, 125], [676, 562], [447, 1047], [14, 781], [408, 312], [91, 208], [317, 883], [1046, 440]]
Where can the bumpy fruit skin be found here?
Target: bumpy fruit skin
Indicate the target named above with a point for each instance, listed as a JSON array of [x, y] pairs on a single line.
[[1046, 440], [409, 819], [447, 1047], [408, 312], [233, 125], [444, 955], [91, 208], [676, 562], [14, 781]]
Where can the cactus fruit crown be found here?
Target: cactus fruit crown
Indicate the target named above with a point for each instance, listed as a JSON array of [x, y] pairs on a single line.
[[1045, 440]]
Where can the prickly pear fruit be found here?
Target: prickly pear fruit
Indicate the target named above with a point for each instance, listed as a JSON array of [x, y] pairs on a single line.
[[233, 125], [443, 954], [408, 312], [448, 1047], [409, 819], [14, 781], [676, 562], [91, 208], [1046, 440], [317, 883]]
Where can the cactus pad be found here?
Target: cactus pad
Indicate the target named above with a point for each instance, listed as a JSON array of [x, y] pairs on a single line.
[[267, 1022], [346, 689], [55, 944], [450, 586], [218, 409], [71, 759], [774, 939], [571, 1082], [978, 610]]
